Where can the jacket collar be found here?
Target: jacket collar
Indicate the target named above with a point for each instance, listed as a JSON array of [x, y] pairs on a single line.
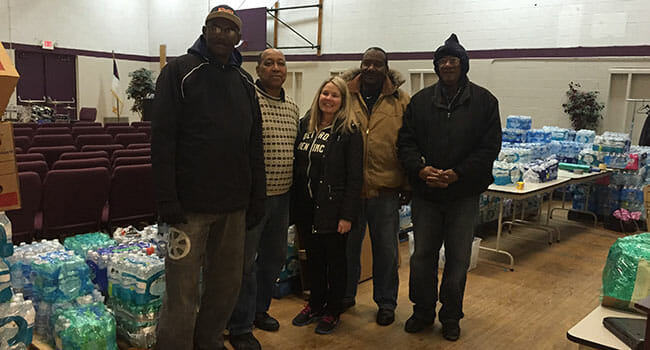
[[440, 100], [391, 84], [200, 48]]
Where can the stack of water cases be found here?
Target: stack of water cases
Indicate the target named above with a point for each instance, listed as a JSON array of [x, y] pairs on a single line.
[[136, 284], [16, 314], [81, 244], [84, 327]]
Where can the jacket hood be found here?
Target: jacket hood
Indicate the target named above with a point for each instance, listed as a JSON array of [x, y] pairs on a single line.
[[200, 48], [394, 77]]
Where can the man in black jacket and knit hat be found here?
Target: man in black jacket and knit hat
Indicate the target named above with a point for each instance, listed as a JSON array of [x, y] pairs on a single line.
[[209, 181], [450, 136]]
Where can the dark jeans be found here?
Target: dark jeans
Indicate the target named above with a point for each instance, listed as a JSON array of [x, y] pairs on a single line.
[[382, 216], [187, 320], [326, 265], [451, 222], [269, 240]]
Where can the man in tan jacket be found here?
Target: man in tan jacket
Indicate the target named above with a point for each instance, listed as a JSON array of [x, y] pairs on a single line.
[[379, 104]]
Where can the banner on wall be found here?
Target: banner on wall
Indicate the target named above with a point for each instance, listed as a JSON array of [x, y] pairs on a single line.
[[118, 105]]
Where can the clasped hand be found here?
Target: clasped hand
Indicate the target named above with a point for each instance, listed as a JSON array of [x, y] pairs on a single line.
[[437, 177]]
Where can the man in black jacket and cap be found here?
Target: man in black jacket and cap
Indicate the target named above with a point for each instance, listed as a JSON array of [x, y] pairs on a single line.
[[209, 181], [450, 137]]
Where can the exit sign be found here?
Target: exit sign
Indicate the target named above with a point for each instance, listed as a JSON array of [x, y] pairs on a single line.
[[48, 44]]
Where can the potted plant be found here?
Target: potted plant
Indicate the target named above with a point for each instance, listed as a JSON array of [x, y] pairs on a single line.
[[141, 87], [582, 107]]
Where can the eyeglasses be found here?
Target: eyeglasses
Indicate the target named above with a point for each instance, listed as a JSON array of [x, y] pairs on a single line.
[[454, 61], [216, 29]]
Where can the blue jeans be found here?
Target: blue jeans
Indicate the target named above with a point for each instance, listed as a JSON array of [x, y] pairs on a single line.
[[451, 222], [190, 320], [382, 216], [269, 240]]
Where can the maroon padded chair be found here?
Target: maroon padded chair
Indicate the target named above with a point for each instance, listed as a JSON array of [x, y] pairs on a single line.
[[98, 139], [114, 130], [73, 200], [93, 124], [108, 148], [53, 131], [131, 161], [22, 141], [127, 139], [140, 124], [139, 146], [130, 153], [24, 220], [86, 130], [29, 132], [81, 163], [18, 150], [51, 154], [87, 114], [52, 140], [25, 125], [37, 166], [131, 197], [83, 155], [29, 157], [146, 130]]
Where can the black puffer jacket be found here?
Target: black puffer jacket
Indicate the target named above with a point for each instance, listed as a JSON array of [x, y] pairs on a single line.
[[340, 181], [465, 137], [207, 154]]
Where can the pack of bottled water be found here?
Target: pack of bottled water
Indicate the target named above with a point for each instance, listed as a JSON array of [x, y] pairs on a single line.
[[290, 266], [505, 173], [21, 263], [44, 326], [519, 122], [541, 170], [612, 142], [136, 279], [513, 135], [60, 276], [136, 324], [585, 136], [6, 245], [558, 134], [157, 235], [614, 160], [85, 327], [81, 244], [98, 260], [538, 136], [16, 323], [588, 157]]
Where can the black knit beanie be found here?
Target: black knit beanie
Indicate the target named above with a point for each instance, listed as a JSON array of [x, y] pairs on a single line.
[[452, 48]]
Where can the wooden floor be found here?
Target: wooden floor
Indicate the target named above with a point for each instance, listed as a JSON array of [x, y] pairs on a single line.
[[551, 289]]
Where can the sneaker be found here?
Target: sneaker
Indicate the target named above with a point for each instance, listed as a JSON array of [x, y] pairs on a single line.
[[306, 316], [245, 341], [385, 317], [451, 330], [415, 325], [265, 322], [327, 324]]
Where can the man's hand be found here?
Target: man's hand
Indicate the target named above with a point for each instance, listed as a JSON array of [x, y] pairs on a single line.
[[449, 176], [344, 226], [432, 177]]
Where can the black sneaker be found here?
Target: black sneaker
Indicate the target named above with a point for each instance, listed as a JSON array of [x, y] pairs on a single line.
[[265, 322], [385, 317], [245, 341], [306, 316], [327, 324], [415, 325], [451, 330]]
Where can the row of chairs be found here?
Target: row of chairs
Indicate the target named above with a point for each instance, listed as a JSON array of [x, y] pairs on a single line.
[[82, 130], [52, 153], [25, 142], [72, 160], [80, 123], [82, 195]]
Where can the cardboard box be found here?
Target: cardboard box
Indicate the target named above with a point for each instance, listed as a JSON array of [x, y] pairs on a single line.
[[8, 79], [9, 185]]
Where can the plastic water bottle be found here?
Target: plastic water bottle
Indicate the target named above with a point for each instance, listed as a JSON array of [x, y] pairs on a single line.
[[5, 282], [6, 246]]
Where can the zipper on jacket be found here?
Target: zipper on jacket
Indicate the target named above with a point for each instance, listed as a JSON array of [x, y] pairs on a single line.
[[452, 102], [311, 146]]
